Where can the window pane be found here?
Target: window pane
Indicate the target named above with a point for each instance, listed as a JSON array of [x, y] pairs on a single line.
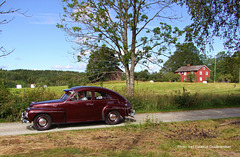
[[101, 95], [82, 95]]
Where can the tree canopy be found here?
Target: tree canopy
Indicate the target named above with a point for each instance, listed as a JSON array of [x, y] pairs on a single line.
[[101, 64], [185, 54], [214, 18], [121, 25]]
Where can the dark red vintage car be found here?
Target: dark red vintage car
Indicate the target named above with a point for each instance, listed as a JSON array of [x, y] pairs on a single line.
[[79, 104]]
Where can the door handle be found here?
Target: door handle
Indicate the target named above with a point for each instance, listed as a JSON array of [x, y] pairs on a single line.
[[89, 104]]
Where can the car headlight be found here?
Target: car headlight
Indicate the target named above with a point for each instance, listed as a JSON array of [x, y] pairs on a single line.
[[26, 114]]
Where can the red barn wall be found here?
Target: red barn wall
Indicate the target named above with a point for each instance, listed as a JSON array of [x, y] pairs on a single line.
[[201, 74]]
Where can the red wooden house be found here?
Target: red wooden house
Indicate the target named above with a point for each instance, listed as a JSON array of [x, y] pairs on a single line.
[[201, 72]]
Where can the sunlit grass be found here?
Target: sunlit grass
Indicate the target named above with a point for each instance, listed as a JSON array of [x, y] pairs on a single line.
[[169, 87], [162, 87]]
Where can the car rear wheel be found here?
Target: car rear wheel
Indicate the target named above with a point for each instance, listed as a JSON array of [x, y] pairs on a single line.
[[113, 117], [42, 122]]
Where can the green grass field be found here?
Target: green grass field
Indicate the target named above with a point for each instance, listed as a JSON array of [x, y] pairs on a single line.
[[170, 87], [162, 88]]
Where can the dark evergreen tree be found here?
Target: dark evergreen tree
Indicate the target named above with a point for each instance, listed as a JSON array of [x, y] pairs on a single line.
[[102, 64], [185, 54]]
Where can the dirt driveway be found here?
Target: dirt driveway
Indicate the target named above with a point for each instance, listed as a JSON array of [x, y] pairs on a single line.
[[19, 128]]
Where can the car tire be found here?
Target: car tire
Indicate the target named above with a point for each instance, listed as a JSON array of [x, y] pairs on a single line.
[[42, 122], [113, 117]]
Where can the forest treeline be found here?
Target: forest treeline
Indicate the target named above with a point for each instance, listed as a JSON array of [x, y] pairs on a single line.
[[25, 78]]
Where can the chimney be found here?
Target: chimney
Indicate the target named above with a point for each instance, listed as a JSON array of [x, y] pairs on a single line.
[[188, 65]]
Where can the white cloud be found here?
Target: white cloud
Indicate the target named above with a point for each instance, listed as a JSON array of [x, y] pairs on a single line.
[[80, 67], [62, 67], [3, 67]]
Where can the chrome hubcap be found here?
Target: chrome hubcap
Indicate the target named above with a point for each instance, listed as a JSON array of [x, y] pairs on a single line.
[[42, 121], [112, 117]]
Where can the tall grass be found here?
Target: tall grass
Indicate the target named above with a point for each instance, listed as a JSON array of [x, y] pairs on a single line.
[[149, 97], [18, 101], [147, 100]]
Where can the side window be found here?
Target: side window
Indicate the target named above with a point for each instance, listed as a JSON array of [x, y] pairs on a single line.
[[82, 95], [101, 95]]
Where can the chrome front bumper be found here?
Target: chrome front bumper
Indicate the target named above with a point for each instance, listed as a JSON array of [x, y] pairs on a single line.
[[24, 117], [132, 113]]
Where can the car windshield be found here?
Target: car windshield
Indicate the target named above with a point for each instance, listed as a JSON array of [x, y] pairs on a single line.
[[66, 95]]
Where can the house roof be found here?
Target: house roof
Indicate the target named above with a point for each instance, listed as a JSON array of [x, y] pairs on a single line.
[[191, 68]]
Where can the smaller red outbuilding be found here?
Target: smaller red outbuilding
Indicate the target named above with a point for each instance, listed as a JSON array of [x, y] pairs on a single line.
[[201, 72]]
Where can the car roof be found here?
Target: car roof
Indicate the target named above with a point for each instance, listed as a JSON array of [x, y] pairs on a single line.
[[86, 88], [78, 88]]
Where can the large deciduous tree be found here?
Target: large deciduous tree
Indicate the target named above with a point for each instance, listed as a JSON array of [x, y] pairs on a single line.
[[213, 18], [228, 66], [185, 54], [124, 26]]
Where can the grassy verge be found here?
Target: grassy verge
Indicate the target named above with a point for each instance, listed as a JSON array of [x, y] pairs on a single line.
[[196, 138]]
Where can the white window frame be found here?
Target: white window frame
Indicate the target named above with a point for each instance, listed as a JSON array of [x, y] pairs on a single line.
[[206, 72], [200, 72], [200, 78], [185, 73]]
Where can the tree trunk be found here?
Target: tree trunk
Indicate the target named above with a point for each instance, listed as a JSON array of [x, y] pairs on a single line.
[[130, 76], [130, 82]]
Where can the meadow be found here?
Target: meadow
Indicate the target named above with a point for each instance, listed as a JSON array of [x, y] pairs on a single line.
[[149, 97], [160, 88]]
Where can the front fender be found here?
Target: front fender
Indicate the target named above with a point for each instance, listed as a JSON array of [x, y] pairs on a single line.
[[58, 115]]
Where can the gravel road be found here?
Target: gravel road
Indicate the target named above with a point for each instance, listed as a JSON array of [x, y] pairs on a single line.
[[21, 128]]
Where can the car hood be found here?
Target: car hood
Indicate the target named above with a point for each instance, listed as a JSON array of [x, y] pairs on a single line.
[[46, 102]]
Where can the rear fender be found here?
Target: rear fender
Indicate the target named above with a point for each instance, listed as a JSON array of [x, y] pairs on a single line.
[[106, 109]]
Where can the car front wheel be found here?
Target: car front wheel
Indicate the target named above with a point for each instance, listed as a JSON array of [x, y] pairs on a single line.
[[42, 122], [113, 117]]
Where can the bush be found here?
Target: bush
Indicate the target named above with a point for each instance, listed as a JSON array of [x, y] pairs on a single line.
[[185, 99], [4, 92], [14, 104]]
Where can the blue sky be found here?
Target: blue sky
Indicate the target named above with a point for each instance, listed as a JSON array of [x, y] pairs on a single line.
[[38, 43]]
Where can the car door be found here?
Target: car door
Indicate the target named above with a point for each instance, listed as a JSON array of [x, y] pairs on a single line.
[[80, 109], [101, 99]]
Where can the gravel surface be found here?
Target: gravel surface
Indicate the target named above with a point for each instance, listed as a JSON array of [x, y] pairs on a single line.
[[18, 128]]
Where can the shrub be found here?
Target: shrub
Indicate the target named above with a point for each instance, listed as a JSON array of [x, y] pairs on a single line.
[[4, 92], [183, 99], [17, 102]]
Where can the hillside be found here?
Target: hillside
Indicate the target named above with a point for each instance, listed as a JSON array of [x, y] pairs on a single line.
[[41, 77]]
